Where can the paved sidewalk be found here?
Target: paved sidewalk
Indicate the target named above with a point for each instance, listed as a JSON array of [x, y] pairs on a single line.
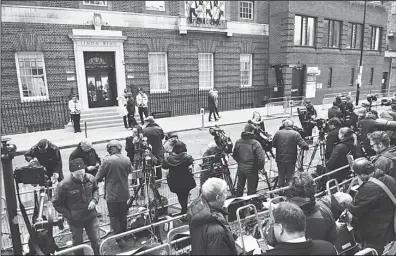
[[65, 139]]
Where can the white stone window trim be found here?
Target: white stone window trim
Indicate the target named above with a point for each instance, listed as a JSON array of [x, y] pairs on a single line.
[[36, 55], [393, 7], [250, 69], [149, 8], [211, 86], [103, 3], [166, 72], [244, 15]]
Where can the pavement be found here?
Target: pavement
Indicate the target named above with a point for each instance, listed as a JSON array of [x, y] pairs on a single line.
[[64, 138]]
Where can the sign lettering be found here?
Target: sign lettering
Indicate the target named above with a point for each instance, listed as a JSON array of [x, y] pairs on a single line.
[[97, 43]]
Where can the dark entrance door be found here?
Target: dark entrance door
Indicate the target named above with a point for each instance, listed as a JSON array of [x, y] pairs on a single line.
[[384, 83], [101, 82], [297, 81]]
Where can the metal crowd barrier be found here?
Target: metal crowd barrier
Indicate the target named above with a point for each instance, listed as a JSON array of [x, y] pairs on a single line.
[[283, 106], [87, 250]]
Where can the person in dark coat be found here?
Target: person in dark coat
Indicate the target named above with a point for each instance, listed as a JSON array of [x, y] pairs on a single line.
[[334, 111], [291, 235], [337, 203], [372, 207], [155, 135], [320, 221], [385, 159], [207, 161], [130, 106], [212, 105], [209, 230], [250, 157], [135, 149], [48, 155], [366, 126], [180, 177], [115, 169], [258, 120], [286, 141], [332, 137], [338, 155], [170, 141], [87, 153], [75, 199]]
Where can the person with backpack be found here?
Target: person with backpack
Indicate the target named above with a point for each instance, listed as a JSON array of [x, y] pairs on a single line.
[[385, 158]]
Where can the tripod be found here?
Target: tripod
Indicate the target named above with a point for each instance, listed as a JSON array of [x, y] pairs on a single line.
[[222, 163], [321, 144], [263, 172]]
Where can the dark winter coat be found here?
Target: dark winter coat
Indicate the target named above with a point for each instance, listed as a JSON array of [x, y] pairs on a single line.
[[334, 111], [367, 126], [155, 135], [90, 157], [131, 106], [209, 230], [320, 221], [374, 211], [286, 141], [389, 115], [115, 170], [331, 140], [249, 154], [211, 101], [51, 159], [332, 203], [386, 161], [72, 198], [180, 179], [315, 247], [338, 158]]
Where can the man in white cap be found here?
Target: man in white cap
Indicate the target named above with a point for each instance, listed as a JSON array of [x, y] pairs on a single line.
[[115, 169], [155, 135]]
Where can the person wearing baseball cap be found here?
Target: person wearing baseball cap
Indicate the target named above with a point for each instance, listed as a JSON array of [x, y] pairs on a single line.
[[115, 169], [142, 103], [75, 198]]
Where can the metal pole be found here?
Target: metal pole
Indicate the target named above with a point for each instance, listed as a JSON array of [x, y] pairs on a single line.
[[85, 126], [7, 151], [389, 77], [359, 84]]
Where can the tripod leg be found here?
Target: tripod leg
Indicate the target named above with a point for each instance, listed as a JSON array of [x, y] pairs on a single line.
[[132, 199], [267, 179], [312, 156]]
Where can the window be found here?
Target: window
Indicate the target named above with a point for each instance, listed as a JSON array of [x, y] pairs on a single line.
[[31, 75], [246, 10], [155, 5], [371, 76], [158, 72], [205, 65], [331, 33], [330, 78], [352, 77], [393, 9], [97, 3], [354, 36], [304, 30], [246, 70], [375, 38]]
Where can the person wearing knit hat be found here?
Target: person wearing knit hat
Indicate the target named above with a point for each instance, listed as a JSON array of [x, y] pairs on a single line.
[[76, 198], [250, 157]]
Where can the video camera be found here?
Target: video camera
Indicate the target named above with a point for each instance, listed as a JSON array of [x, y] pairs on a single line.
[[322, 125], [296, 128], [384, 125], [31, 175], [263, 137], [223, 142], [371, 98]]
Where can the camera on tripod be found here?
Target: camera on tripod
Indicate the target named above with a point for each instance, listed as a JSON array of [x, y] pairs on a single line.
[[31, 175], [223, 142], [371, 98], [322, 125]]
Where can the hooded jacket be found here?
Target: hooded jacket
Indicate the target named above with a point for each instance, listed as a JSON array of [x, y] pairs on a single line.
[[285, 141], [209, 230], [386, 161], [338, 158], [180, 179], [248, 153], [320, 222], [374, 211]]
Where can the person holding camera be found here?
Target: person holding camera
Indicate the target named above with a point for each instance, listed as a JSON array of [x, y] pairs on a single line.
[[76, 198], [170, 141], [250, 157], [115, 169], [49, 156], [180, 177], [285, 141], [87, 153], [332, 137], [142, 103], [385, 159], [334, 111], [310, 115], [366, 126]]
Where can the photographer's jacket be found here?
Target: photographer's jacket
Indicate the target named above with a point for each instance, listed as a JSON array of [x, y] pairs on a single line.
[[90, 157], [386, 161], [285, 141], [338, 158], [72, 198], [155, 135], [248, 153]]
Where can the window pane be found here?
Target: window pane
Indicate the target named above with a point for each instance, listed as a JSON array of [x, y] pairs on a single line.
[[330, 33], [377, 38], [297, 30], [155, 5], [325, 33], [351, 82], [311, 31], [349, 36], [304, 31], [358, 36], [336, 36]]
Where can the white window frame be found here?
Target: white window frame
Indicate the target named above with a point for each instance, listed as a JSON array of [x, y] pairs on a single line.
[[375, 38], [36, 55], [88, 3], [152, 9], [166, 72], [212, 70], [245, 13], [250, 70], [393, 7]]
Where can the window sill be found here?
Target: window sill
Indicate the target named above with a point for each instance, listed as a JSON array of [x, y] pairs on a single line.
[[34, 99], [205, 89], [246, 86], [159, 91]]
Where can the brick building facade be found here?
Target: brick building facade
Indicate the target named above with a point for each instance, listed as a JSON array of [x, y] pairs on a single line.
[[324, 36]]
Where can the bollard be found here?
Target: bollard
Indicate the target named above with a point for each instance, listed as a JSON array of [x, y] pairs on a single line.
[[291, 107], [7, 154], [85, 127], [202, 112]]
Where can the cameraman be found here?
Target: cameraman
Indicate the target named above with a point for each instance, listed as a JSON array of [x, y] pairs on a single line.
[[332, 137], [285, 141], [366, 126], [307, 118], [390, 115], [334, 111], [249, 155]]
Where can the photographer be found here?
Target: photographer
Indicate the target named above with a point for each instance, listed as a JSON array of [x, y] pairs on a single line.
[[286, 141], [249, 155], [366, 126], [48, 155], [86, 152], [334, 111], [385, 159], [306, 117], [390, 115], [332, 137], [170, 140], [155, 135]]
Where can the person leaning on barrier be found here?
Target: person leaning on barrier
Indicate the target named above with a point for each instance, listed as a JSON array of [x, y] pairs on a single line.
[[320, 222], [115, 169], [372, 207], [76, 198], [289, 230], [88, 154], [390, 115], [338, 158], [49, 156], [209, 230], [385, 159], [332, 137], [286, 141], [170, 140], [250, 157], [334, 111]]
